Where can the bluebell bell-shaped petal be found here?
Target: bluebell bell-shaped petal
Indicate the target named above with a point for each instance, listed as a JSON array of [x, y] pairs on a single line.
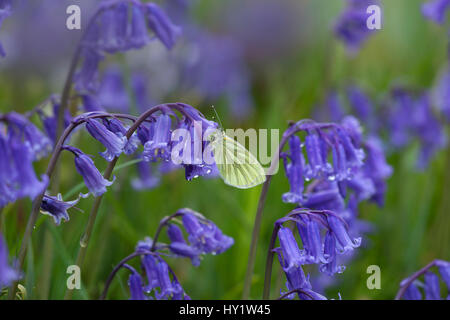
[[114, 144], [147, 178], [136, 285], [344, 241], [168, 288], [309, 231], [26, 180], [113, 30], [412, 293], [137, 34], [23, 130], [145, 132], [8, 185], [7, 273], [50, 122], [314, 154], [360, 103], [331, 267], [161, 25], [120, 130], [86, 78], [436, 10], [444, 270], [441, 94], [149, 264], [91, 103], [57, 208], [294, 171], [159, 145], [432, 289], [179, 246], [112, 93], [86, 168]]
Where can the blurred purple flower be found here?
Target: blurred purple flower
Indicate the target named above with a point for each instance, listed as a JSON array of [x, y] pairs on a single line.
[[114, 144], [5, 11], [351, 26], [441, 94], [436, 10], [7, 273]]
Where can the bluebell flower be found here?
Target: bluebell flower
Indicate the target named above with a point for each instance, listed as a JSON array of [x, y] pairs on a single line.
[[147, 177], [291, 260], [344, 242], [8, 185], [5, 11], [310, 234], [26, 183], [50, 122], [432, 289], [412, 292], [159, 145], [116, 126], [294, 170], [114, 144], [441, 93], [136, 285], [26, 132], [204, 235], [86, 168], [112, 93], [329, 253], [90, 103], [361, 105], [161, 25], [57, 208], [334, 106], [86, 78], [436, 10], [180, 247], [158, 276], [7, 273], [351, 26], [444, 270]]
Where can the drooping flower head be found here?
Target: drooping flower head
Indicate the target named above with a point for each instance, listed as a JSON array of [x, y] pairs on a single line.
[[86, 168], [119, 26], [57, 208], [436, 10], [114, 144]]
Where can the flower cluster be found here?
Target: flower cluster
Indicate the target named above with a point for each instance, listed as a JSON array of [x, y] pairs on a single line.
[[162, 283], [21, 143], [351, 26], [7, 273], [323, 234], [119, 26], [410, 287], [204, 237]]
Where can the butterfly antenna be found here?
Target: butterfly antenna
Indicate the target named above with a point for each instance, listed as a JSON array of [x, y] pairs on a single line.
[[218, 118]]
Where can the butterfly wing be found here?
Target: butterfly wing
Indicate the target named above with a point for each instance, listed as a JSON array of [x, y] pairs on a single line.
[[237, 166]]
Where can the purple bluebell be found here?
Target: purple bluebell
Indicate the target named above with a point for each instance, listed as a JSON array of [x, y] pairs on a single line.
[[86, 168], [26, 183], [310, 233], [116, 126], [317, 164], [351, 26], [50, 122], [412, 292], [26, 132], [204, 235], [402, 104], [57, 208], [291, 260], [444, 270], [86, 78], [294, 171], [136, 285], [112, 93], [334, 106], [114, 145], [8, 185], [158, 275], [432, 289], [441, 93], [361, 104], [7, 273], [161, 25], [90, 103], [329, 253], [159, 145], [5, 11], [436, 10], [344, 242], [179, 246], [147, 178]]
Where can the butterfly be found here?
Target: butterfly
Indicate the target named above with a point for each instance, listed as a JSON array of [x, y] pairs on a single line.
[[237, 166]]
